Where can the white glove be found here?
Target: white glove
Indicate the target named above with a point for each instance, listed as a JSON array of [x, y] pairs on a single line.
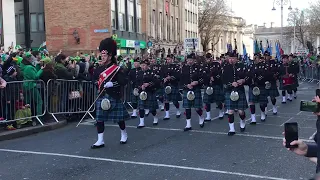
[[108, 85]]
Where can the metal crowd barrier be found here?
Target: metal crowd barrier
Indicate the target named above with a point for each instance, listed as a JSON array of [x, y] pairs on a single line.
[[310, 74], [70, 97], [22, 102]]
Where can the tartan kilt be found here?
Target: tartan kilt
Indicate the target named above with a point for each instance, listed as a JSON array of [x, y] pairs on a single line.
[[273, 91], [261, 99], [159, 92], [196, 103], [295, 83], [133, 98], [218, 94], [116, 113], [241, 104], [174, 96], [150, 103]]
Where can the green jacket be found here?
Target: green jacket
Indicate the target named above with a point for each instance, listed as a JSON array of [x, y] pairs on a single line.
[[29, 73]]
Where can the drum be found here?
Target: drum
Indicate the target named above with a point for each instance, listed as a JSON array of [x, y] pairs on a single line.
[[136, 92], [286, 81], [167, 89]]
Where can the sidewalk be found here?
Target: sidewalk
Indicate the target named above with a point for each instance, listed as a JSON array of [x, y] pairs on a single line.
[[26, 131]]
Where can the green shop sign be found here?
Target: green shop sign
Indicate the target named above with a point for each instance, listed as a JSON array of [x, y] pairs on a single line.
[[124, 43]]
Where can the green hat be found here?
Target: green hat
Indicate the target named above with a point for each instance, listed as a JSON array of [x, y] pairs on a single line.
[[46, 60], [28, 54]]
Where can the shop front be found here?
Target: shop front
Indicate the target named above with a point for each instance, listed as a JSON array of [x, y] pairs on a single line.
[[130, 47]]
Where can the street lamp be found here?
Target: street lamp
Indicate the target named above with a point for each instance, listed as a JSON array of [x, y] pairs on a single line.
[[281, 3]]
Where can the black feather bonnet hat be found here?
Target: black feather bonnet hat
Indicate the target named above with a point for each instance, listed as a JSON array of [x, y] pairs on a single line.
[[108, 46]]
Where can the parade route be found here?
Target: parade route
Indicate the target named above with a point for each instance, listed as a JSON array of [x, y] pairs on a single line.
[[165, 151]]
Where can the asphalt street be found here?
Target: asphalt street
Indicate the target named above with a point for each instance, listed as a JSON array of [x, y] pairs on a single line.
[[165, 152]]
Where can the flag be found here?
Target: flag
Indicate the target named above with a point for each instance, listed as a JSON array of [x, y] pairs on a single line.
[[278, 53], [261, 47], [245, 55], [256, 47], [42, 45], [229, 48]]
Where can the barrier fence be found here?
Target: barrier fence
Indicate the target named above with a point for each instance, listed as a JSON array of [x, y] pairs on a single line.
[[310, 74]]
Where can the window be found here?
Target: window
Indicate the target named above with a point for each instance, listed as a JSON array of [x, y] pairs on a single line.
[[21, 22], [33, 23], [17, 23], [153, 17], [168, 27], [122, 22], [139, 25], [186, 15], [41, 22], [131, 23], [186, 33], [177, 2], [113, 20]]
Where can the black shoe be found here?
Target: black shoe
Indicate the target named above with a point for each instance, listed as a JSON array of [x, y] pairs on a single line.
[[290, 100], [253, 123], [242, 129], [283, 102], [155, 124], [133, 117], [187, 129], [263, 120], [166, 118], [231, 133], [97, 147], [221, 118], [162, 109], [178, 116], [123, 142], [275, 113], [140, 127], [202, 125], [207, 120], [146, 115]]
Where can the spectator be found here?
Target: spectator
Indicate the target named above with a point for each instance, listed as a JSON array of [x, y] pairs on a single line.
[[35, 59], [3, 84], [48, 70], [31, 93], [64, 69]]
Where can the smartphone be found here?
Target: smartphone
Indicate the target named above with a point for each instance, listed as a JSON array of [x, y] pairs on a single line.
[[291, 133], [308, 106]]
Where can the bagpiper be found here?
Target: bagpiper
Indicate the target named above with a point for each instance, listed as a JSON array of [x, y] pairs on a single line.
[[170, 79], [192, 81], [134, 95], [213, 87], [234, 78], [148, 83], [156, 67], [273, 92], [294, 70], [259, 83], [111, 82]]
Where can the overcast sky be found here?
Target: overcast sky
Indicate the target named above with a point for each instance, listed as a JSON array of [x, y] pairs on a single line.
[[259, 11]]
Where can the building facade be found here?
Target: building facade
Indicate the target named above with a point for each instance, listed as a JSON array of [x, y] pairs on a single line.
[[7, 23], [190, 17], [165, 24], [29, 23], [235, 30]]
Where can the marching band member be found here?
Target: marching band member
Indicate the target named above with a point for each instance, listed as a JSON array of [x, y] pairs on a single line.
[[148, 83], [234, 78], [273, 92], [214, 87], [111, 81], [133, 74], [157, 68], [171, 78], [192, 82], [258, 85], [286, 79], [294, 70]]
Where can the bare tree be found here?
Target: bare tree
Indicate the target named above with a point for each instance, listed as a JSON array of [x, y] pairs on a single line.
[[299, 22], [213, 18]]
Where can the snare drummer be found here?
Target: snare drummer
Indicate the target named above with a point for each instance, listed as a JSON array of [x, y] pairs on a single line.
[[171, 78], [111, 80], [259, 76], [285, 73], [192, 82], [234, 78], [133, 74], [148, 83]]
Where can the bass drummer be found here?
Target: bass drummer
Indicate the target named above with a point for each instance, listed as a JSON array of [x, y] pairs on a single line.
[[234, 77]]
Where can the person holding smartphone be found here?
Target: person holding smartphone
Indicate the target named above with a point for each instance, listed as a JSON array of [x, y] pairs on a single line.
[[312, 151]]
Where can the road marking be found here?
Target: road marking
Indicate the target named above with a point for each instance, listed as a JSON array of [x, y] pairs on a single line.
[[204, 132], [312, 136], [286, 121], [143, 164], [299, 112]]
